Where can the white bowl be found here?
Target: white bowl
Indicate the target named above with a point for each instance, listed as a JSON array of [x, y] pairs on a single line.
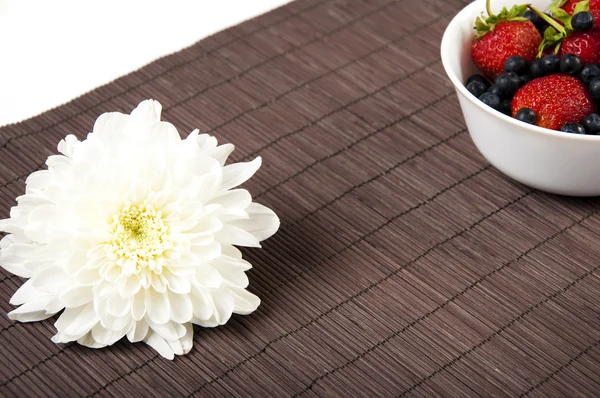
[[548, 160]]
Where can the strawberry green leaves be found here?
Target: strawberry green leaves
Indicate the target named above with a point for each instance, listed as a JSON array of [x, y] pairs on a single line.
[[556, 33], [483, 24]]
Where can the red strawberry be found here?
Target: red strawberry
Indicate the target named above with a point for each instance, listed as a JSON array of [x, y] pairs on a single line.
[[584, 44], [557, 99], [562, 39], [502, 36], [569, 7]]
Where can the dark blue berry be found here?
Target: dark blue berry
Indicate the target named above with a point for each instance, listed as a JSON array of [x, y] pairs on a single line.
[[476, 88], [525, 79], [571, 64], [573, 128], [526, 115], [516, 64], [508, 83], [595, 88], [589, 72], [505, 106], [583, 20], [550, 63], [495, 90], [592, 123], [536, 68], [490, 99], [478, 78]]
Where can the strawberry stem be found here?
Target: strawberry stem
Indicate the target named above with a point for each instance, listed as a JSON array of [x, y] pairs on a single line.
[[488, 7], [559, 28]]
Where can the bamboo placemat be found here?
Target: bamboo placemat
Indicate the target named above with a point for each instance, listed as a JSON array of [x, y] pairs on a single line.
[[405, 265]]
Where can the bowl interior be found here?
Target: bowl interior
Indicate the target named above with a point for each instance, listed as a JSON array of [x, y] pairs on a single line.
[[456, 58]]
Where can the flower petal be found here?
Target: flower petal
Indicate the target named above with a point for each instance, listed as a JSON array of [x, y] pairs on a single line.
[[50, 280], [262, 224], [138, 306], [25, 293], [244, 301], [207, 252], [182, 309], [220, 153], [202, 303], [224, 304], [169, 331], [32, 310], [109, 124], [76, 296], [157, 306], [237, 236], [88, 341], [184, 344], [76, 322], [238, 173], [138, 332], [176, 284], [118, 306], [161, 346], [146, 114], [208, 277], [106, 336], [67, 145], [239, 198], [231, 276], [129, 286], [42, 223]]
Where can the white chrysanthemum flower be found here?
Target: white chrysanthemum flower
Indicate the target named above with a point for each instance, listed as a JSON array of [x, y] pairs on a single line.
[[132, 233]]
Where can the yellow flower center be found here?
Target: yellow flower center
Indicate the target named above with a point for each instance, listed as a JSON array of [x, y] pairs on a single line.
[[140, 238]]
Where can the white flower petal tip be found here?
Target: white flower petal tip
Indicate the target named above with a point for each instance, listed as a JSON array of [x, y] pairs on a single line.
[[132, 233]]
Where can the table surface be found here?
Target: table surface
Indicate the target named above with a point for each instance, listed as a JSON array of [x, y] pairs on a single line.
[[405, 264], [54, 51]]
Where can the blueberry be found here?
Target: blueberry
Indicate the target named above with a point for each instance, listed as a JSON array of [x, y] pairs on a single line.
[[571, 64], [536, 68], [508, 83], [490, 99], [526, 115], [583, 20], [595, 88], [516, 64], [589, 72], [476, 88], [550, 63], [478, 78], [525, 79], [592, 123], [573, 128], [495, 90], [505, 106]]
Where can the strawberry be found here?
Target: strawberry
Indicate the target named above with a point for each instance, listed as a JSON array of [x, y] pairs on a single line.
[[569, 7], [584, 44], [562, 39], [502, 36], [556, 99]]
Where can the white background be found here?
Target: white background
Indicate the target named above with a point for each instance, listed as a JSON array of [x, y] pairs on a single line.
[[52, 51]]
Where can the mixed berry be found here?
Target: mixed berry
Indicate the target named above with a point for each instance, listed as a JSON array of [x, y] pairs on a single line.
[[541, 68]]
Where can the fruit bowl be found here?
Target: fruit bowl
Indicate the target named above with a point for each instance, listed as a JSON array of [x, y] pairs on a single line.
[[548, 160]]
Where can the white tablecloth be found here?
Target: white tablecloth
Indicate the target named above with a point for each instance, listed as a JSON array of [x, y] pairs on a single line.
[[55, 50]]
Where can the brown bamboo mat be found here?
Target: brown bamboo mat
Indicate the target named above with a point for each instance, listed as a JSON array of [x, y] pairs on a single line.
[[405, 265]]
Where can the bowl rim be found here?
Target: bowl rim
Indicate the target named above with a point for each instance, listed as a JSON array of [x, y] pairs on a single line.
[[459, 85]]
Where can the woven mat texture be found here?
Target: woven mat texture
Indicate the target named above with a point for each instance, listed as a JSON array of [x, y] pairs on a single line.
[[405, 264]]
